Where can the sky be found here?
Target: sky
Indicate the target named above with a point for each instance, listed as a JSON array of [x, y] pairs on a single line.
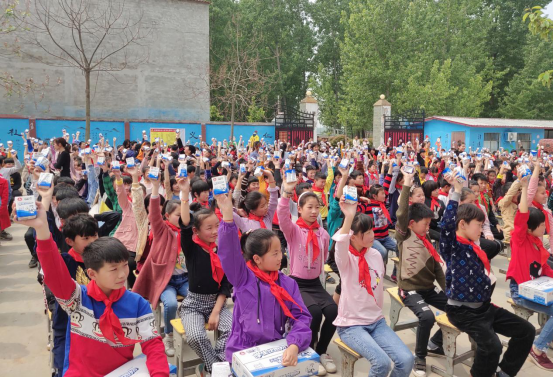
[[548, 11]]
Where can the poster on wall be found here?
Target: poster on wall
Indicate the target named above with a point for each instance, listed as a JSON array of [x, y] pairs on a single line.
[[167, 135]]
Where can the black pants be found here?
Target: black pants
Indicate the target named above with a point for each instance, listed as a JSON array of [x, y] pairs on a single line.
[[498, 234], [482, 324], [132, 267], [435, 235], [327, 330], [30, 241], [418, 302], [283, 241], [491, 248]]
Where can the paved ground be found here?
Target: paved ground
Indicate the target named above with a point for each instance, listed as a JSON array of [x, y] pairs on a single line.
[[23, 323]]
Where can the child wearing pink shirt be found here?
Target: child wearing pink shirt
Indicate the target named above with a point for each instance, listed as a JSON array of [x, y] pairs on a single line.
[[308, 249], [360, 322]]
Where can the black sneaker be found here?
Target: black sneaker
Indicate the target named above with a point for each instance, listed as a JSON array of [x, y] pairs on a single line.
[[439, 351], [33, 262], [330, 280], [501, 373], [420, 367], [5, 236]]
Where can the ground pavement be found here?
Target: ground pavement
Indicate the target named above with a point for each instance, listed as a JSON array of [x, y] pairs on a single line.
[[23, 323]]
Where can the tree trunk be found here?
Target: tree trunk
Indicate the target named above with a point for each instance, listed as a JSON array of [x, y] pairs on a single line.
[[87, 105], [232, 117]]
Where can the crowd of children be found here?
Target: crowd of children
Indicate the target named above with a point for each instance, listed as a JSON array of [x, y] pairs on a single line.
[[126, 226]]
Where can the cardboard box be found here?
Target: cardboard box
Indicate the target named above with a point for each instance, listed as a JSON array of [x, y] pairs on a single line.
[[266, 361], [136, 368], [538, 290], [221, 370]]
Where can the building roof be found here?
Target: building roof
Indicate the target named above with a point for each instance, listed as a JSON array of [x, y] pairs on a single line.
[[496, 122]]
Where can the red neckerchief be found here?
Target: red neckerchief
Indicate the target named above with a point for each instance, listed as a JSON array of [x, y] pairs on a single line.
[[538, 243], [480, 253], [491, 183], [434, 177], [312, 237], [383, 208], [178, 231], [231, 186], [203, 204], [398, 187], [484, 200], [75, 255], [499, 199], [218, 214], [373, 176], [217, 270], [130, 198], [109, 323], [363, 269], [443, 193], [260, 219], [429, 246], [323, 198], [280, 293], [434, 203], [540, 207]]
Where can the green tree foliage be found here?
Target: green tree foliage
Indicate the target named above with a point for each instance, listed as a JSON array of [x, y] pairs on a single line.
[[255, 113], [540, 25], [215, 116]]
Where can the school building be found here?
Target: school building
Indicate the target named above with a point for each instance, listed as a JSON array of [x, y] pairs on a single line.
[[491, 133]]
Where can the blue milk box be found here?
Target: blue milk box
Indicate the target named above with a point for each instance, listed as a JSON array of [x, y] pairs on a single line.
[[350, 195], [130, 162], [537, 290], [220, 185], [266, 361], [25, 207], [137, 368], [182, 173]]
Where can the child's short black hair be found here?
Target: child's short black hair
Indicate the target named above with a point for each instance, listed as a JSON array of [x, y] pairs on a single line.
[[104, 250], [444, 183], [320, 175], [419, 211], [473, 183], [191, 169], [465, 192], [423, 170], [199, 187], [71, 206], [81, 224], [64, 180], [310, 168], [252, 179], [355, 174], [479, 177], [127, 180], [63, 192], [468, 212], [429, 187], [536, 218], [301, 187]]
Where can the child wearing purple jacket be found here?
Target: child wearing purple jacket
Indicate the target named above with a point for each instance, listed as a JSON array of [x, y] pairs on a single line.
[[268, 304]]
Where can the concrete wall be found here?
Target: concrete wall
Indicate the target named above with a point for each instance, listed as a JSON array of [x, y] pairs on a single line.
[[475, 135], [173, 83]]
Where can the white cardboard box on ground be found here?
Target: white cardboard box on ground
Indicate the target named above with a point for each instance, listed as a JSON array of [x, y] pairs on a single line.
[[265, 361], [538, 290], [222, 369], [136, 368]]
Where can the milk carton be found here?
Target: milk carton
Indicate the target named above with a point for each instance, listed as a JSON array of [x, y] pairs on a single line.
[[220, 185], [266, 361], [45, 179], [182, 173], [154, 172], [101, 161], [259, 171], [287, 164], [350, 195], [116, 165], [242, 169], [225, 164], [524, 171], [86, 151], [25, 207], [221, 370], [137, 368], [130, 162], [42, 163], [290, 175], [538, 290], [343, 163], [409, 169]]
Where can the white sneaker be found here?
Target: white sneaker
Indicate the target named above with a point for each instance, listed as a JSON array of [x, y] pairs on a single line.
[[420, 367], [321, 371], [169, 347], [327, 361]]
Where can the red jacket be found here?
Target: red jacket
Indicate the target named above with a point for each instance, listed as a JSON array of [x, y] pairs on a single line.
[[4, 199], [158, 267], [526, 262]]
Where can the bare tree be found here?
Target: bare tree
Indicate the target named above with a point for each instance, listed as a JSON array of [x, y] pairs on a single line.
[[239, 79], [91, 35]]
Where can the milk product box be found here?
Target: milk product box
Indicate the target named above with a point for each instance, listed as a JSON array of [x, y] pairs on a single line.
[[242, 169], [45, 179], [259, 171], [350, 195], [182, 173], [137, 368], [130, 162], [343, 163], [538, 290], [154, 172], [116, 165], [221, 370], [287, 164], [220, 185], [86, 151], [225, 164], [25, 207], [101, 160], [42, 163], [524, 171], [290, 176], [266, 361]]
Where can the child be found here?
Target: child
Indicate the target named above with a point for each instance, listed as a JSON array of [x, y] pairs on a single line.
[[469, 285], [360, 323], [322, 184], [201, 193], [164, 274], [444, 190], [529, 261], [308, 249], [260, 213], [431, 191], [98, 342], [537, 196], [208, 285], [268, 304], [420, 266], [508, 207]]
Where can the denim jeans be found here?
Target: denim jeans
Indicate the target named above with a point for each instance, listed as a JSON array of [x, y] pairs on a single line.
[[178, 285], [379, 345], [382, 245], [545, 336]]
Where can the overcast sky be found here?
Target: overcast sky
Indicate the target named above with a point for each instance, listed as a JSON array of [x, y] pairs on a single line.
[[549, 11]]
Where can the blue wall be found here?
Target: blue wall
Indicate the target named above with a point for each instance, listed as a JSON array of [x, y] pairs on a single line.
[[47, 129], [223, 131], [11, 129], [193, 130], [475, 135]]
